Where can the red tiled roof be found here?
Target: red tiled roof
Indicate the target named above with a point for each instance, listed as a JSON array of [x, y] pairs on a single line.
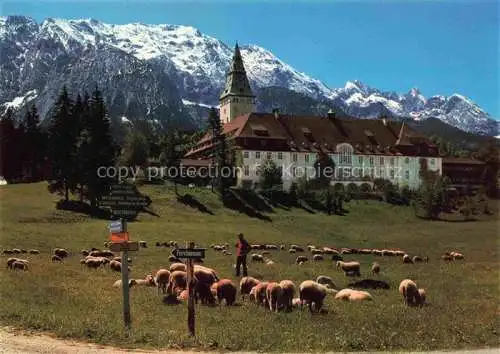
[[317, 133]]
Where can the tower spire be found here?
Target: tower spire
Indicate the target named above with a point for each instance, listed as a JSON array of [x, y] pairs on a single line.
[[237, 97]]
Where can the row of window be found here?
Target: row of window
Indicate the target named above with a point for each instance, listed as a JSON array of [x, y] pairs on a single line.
[[344, 159]]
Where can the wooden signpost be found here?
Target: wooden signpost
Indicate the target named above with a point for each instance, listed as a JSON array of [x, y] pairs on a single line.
[[190, 253], [125, 203]]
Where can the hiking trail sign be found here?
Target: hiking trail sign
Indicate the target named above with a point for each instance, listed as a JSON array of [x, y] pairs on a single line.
[[189, 253], [124, 200]]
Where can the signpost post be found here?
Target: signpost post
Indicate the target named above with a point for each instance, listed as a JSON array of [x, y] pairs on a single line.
[[125, 202], [190, 253]]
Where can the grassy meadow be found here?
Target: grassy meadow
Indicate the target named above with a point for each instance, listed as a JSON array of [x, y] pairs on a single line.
[[72, 301]]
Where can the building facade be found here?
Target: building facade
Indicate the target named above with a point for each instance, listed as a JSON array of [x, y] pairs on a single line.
[[361, 149]]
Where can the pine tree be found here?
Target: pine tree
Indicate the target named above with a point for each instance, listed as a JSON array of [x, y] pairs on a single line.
[[97, 148], [270, 176], [171, 155], [7, 144], [63, 146], [34, 143]]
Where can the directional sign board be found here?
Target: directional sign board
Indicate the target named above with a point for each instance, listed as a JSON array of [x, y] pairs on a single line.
[[189, 252], [124, 200], [129, 246], [116, 226], [119, 237]]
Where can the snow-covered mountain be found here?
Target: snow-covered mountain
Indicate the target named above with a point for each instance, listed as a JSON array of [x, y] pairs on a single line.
[[158, 70]]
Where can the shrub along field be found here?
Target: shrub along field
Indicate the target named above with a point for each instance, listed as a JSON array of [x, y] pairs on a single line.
[[72, 301]]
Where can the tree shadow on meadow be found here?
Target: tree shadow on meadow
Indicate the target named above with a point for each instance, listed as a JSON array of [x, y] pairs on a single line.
[[235, 202], [191, 201]]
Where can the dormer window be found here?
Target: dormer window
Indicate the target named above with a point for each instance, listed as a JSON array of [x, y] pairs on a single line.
[[259, 130], [307, 133]]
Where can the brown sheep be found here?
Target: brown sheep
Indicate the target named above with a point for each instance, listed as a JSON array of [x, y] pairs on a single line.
[[406, 259], [177, 280], [55, 258], [19, 265], [260, 293], [61, 252], [246, 285], [161, 279], [177, 266], [408, 288], [349, 268], [226, 290], [288, 293]]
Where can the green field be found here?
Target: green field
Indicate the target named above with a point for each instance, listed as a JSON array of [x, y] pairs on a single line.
[[72, 301]]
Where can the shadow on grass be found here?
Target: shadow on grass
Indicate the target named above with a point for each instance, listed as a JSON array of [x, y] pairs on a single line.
[[189, 200], [234, 201], [254, 200], [83, 208]]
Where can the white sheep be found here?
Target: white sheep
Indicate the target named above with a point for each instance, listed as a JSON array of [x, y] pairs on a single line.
[[375, 268], [317, 257], [407, 259], [177, 266], [349, 268]]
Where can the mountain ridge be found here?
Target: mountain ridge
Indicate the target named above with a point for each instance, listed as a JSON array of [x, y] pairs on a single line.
[[190, 67]]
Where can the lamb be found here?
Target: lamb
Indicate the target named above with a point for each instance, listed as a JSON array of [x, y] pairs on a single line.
[[61, 252], [369, 284], [408, 288], [161, 279], [288, 293], [143, 244], [423, 295], [407, 259], [349, 268], [225, 290], [292, 250], [55, 258], [326, 281], [375, 268], [33, 251], [177, 280], [274, 296], [313, 293], [246, 285], [301, 259], [177, 266], [118, 283]]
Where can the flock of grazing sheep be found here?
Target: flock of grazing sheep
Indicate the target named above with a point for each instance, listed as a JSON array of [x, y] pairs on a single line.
[[275, 295]]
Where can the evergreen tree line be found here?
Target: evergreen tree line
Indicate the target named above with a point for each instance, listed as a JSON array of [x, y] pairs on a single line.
[[23, 146]]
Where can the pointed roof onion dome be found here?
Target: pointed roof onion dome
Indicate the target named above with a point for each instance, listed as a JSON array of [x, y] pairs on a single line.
[[237, 83], [403, 138]]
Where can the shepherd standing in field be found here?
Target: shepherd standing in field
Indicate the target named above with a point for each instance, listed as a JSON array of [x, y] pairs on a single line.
[[242, 249]]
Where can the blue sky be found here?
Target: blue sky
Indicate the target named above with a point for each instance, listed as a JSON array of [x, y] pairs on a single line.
[[441, 47]]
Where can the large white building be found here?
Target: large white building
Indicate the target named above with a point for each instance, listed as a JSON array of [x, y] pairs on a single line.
[[361, 149]]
